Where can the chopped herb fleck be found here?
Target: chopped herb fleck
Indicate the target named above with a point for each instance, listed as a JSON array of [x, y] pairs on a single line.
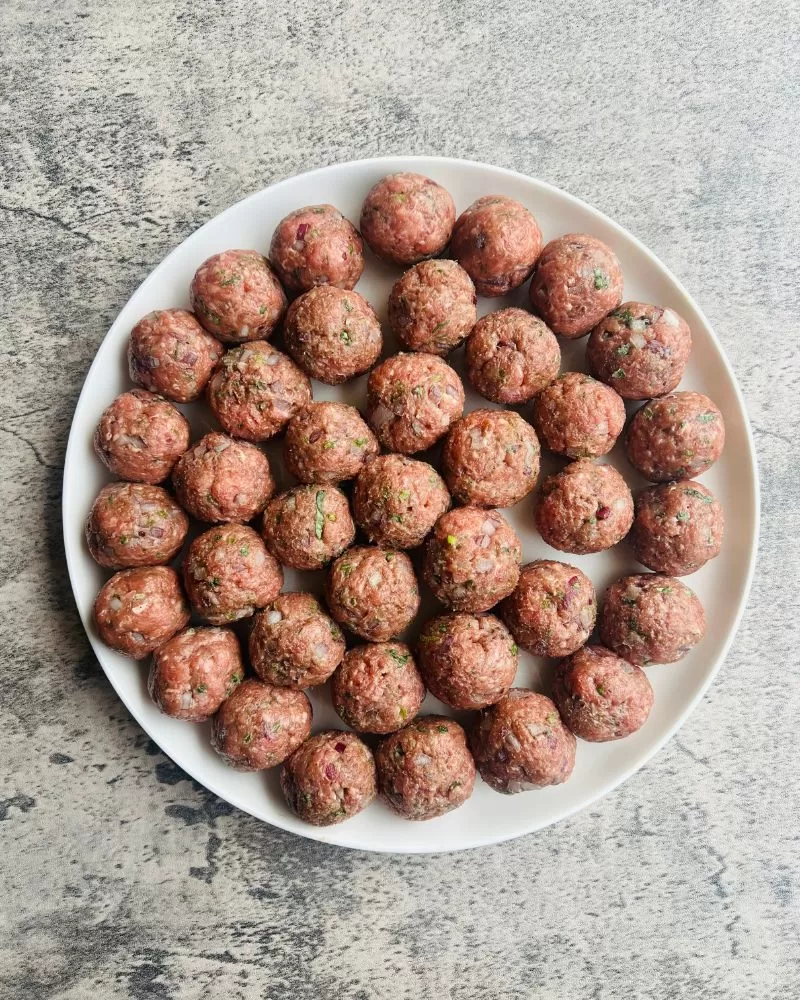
[[624, 316], [441, 729], [347, 306], [345, 337], [452, 540], [623, 349], [619, 373], [244, 550], [319, 516], [706, 418], [201, 688], [698, 495], [600, 279], [360, 442], [683, 515], [398, 657], [514, 649], [327, 445]]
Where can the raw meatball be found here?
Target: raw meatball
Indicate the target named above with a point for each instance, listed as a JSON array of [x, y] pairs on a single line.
[[472, 559], [314, 246], [521, 743], [137, 610], [511, 356], [497, 241], [426, 769], [600, 696], [412, 399], [140, 437], [552, 610], [194, 672], [675, 437], [332, 334], [577, 282], [649, 618], [308, 526], [327, 443], [578, 416], [228, 574], [491, 458], [406, 217], [397, 500], [256, 390], [640, 350], [378, 688], [236, 296], [171, 354], [134, 524], [219, 479], [329, 778], [678, 527], [372, 592], [294, 643], [432, 307], [259, 725], [584, 508]]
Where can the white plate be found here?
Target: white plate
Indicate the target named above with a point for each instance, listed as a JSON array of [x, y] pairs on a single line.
[[722, 585]]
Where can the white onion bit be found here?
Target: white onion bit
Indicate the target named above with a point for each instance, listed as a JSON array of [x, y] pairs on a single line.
[[484, 565], [638, 339], [273, 617], [422, 759], [115, 604]]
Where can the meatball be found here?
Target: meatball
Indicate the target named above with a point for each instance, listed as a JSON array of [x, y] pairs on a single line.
[[171, 354], [426, 769], [432, 307], [219, 479], [577, 282], [308, 526], [137, 610], [649, 618], [497, 241], [675, 437], [372, 592], [134, 524], [678, 527], [584, 508], [600, 696], [294, 643], [329, 778], [640, 350], [578, 416], [377, 688], [140, 437], [511, 356], [259, 726], [236, 296], [412, 399], [228, 574], [256, 390], [407, 217], [552, 610], [332, 334], [315, 246], [520, 743], [327, 443], [194, 672], [397, 500], [472, 559], [491, 458]]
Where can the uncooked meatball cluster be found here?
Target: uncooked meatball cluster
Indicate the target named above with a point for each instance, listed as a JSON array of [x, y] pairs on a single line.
[[381, 521]]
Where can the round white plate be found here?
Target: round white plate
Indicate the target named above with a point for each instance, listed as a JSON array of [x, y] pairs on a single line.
[[722, 585]]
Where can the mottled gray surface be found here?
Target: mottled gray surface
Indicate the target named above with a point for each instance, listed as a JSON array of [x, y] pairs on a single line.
[[127, 125]]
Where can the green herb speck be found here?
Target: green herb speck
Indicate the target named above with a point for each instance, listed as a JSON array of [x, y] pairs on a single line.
[[319, 516], [600, 279]]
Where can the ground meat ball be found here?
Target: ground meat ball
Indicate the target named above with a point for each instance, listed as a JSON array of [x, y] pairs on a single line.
[[578, 416], [259, 725], [397, 500], [511, 356], [406, 217], [294, 643], [412, 399], [377, 688], [432, 307], [308, 526], [228, 574], [600, 696], [327, 443], [171, 354], [651, 618], [372, 592], [577, 282], [472, 559], [236, 296], [521, 743], [137, 610], [640, 350], [678, 527], [584, 508], [426, 769], [194, 672], [497, 241], [219, 479], [140, 437], [134, 524], [552, 610], [314, 246], [675, 437], [329, 778], [491, 458]]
